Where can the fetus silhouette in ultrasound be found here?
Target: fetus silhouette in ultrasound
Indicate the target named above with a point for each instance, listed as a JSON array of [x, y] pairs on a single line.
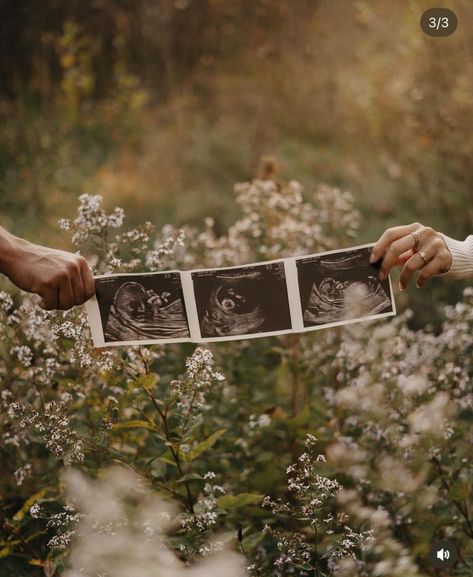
[[344, 287], [138, 314], [233, 307]]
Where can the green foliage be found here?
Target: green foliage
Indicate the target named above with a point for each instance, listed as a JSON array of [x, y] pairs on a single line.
[[341, 452], [107, 99]]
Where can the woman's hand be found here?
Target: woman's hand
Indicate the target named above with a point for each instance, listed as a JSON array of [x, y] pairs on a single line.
[[60, 278], [414, 247]]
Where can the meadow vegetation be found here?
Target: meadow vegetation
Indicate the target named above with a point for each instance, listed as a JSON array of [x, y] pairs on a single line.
[[343, 452]]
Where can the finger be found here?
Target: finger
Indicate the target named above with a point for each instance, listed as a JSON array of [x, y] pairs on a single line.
[[413, 264], [87, 280], [389, 236], [429, 270], [49, 298], [66, 294], [404, 257], [392, 254], [77, 286]]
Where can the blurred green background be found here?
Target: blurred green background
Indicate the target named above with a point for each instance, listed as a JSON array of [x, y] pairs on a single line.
[[162, 105]]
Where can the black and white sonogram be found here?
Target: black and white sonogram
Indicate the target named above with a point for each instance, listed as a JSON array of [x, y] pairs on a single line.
[[142, 307], [242, 301], [341, 286]]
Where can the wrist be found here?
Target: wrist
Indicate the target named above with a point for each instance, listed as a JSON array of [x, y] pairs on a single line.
[[10, 250]]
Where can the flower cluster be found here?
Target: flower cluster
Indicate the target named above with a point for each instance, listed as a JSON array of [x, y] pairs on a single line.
[[122, 532], [277, 221], [192, 388], [313, 496], [391, 408], [91, 221], [54, 425], [205, 510], [165, 248]]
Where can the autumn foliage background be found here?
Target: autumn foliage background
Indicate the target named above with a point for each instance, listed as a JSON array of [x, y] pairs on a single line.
[[161, 107]]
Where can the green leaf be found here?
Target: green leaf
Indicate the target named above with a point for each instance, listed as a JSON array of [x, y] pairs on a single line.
[[148, 381], [167, 461], [240, 500], [190, 477], [284, 380], [6, 551], [137, 424], [302, 418], [203, 446], [460, 490], [250, 542]]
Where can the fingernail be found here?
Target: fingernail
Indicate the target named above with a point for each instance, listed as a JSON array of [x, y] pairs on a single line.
[[382, 276], [401, 287], [372, 257]]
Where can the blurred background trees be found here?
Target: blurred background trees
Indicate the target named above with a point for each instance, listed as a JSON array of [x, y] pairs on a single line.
[[161, 105]]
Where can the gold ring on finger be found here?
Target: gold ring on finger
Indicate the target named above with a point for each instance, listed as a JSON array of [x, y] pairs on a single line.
[[415, 236], [423, 256]]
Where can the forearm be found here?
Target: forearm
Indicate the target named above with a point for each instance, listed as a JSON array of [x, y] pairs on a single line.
[[462, 257], [60, 278], [9, 247]]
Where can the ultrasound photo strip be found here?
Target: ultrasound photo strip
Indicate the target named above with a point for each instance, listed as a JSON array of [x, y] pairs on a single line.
[[144, 308], [276, 297]]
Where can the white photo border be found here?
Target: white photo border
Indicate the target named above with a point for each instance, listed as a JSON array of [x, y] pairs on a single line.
[[95, 320], [190, 305]]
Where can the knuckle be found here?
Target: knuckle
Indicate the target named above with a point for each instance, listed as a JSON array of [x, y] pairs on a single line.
[[73, 267], [49, 285], [416, 224]]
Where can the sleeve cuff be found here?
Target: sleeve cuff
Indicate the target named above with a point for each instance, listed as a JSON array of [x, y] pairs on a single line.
[[462, 257]]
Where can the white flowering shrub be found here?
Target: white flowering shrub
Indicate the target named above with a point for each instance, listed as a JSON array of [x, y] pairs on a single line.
[[344, 452]]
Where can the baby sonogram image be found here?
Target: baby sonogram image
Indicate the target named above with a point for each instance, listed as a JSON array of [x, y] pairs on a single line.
[[142, 307], [242, 301], [341, 286]]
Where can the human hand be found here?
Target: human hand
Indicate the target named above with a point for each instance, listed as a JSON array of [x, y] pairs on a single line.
[[414, 247], [60, 278]]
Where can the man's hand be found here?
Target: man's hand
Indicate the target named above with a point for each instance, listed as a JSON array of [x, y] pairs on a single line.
[[60, 278]]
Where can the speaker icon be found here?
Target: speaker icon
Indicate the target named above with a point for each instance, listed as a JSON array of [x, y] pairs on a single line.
[[443, 554]]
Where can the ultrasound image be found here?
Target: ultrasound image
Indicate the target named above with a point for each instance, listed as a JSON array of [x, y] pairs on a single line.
[[142, 307], [341, 286], [242, 301]]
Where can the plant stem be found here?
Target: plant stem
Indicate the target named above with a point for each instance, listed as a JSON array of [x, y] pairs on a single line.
[[174, 453]]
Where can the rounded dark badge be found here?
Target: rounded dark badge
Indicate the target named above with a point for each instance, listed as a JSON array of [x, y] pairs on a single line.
[[443, 554], [439, 22]]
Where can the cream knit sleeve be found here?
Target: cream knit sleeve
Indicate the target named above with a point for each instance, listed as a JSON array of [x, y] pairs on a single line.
[[462, 257]]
